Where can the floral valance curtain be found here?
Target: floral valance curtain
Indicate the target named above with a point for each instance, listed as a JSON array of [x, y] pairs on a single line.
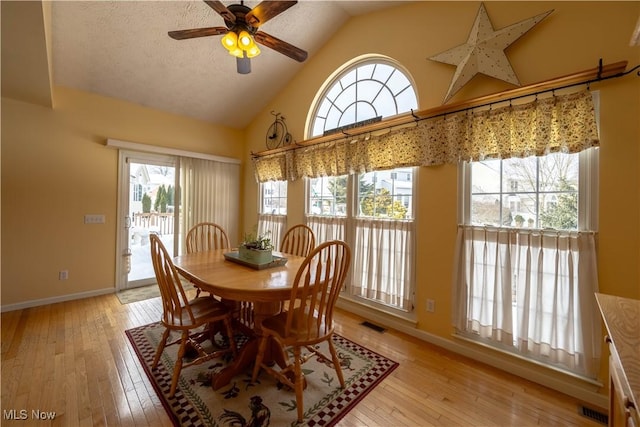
[[564, 123]]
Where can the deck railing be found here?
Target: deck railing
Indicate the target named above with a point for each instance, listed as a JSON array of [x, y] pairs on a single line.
[[161, 223]]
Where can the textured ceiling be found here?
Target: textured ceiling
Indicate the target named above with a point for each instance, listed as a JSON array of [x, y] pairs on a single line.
[[121, 49]]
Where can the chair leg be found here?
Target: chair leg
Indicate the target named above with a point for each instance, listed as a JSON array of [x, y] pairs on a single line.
[[261, 349], [299, 382], [336, 362], [178, 366], [161, 345]]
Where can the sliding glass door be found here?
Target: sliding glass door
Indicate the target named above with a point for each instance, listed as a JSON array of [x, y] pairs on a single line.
[[147, 203]]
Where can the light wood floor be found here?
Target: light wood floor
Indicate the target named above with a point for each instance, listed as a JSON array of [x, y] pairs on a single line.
[[74, 359]]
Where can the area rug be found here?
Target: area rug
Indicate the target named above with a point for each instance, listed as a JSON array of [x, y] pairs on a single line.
[[265, 402]]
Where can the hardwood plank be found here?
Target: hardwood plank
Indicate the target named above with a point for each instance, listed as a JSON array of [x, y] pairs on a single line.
[[74, 358]]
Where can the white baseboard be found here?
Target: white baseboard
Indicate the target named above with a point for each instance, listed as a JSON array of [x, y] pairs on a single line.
[[587, 394], [53, 300]]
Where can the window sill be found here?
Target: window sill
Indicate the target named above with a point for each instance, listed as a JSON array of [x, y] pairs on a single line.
[[579, 377]]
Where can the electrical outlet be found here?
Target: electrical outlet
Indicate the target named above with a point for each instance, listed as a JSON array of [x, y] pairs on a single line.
[[431, 306], [94, 219], [63, 275]]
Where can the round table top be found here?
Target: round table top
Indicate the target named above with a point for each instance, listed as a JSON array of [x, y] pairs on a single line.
[[211, 272]]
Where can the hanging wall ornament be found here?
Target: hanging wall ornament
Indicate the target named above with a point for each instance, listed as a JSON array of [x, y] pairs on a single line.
[[483, 53]]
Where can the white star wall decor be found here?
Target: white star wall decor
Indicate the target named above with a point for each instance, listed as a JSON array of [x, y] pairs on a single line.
[[484, 51]]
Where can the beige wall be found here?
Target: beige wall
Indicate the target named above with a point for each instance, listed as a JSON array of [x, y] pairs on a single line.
[[573, 38], [56, 169]]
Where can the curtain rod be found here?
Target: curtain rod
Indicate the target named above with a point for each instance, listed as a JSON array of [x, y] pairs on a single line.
[[593, 75]]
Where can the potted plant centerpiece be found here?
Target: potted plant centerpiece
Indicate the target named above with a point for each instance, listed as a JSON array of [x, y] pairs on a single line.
[[256, 249]]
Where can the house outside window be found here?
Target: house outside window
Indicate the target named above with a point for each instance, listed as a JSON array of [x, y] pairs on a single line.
[[540, 192], [373, 211]]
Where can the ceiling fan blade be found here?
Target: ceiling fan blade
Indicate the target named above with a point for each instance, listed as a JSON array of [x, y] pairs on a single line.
[[197, 32], [222, 10], [265, 11], [280, 46]]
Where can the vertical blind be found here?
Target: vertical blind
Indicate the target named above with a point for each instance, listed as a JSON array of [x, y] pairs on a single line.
[[209, 193]]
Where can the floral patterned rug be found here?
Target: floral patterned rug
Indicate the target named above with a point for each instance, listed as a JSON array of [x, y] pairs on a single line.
[[265, 402]]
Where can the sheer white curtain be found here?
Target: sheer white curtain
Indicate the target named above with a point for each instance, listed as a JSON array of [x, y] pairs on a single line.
[[382, 268], [275, 224], [209, 193], [327, 228], [530, 291]]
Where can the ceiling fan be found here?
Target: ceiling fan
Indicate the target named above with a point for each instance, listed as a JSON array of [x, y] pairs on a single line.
[[242, 31]]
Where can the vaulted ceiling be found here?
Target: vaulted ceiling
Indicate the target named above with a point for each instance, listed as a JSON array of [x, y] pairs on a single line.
[[121, 49]]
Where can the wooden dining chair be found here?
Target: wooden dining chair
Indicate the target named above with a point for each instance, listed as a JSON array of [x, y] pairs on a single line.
[[191, 318], [298, 240], [205, 236], [309, 320]]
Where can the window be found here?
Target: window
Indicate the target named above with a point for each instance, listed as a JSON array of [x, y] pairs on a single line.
[[369, 88], [526, 257], [373, 211], [273, 198], [272, 215], [137, 192]]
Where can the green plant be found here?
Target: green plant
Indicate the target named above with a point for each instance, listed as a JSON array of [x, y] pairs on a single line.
[[519, 219], [253, 240], [146, 203]]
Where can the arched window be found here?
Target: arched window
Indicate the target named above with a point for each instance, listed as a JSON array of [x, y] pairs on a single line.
[[372, 211], [364, 89]]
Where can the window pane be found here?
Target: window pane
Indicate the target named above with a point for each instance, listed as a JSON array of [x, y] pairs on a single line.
[[382, 72], [368, 90], [365, 111], [347, 80], [386, 194], [333, 119], [559, 172], [406, 101], [385, 104], [274, 197], [366, 71], [328, 196], [324, 108], [349, 116], [519, 174], [398, 83], [534, 192], [346, 98], [485, 210], [485, 177]]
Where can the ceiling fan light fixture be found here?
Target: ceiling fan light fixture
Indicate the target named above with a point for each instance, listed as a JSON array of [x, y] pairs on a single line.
[[253, 51], [230, 41], [245, 41], [237, 52]]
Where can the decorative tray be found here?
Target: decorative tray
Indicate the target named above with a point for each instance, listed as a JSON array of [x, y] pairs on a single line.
[[277, 261]]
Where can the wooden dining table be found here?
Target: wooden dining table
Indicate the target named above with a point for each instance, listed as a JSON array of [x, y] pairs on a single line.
[[262, 290]]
